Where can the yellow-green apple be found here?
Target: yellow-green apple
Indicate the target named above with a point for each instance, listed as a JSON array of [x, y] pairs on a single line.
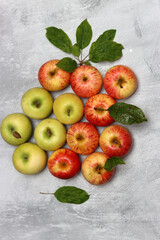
[[68, 108], [53, 78], [96, 109], [83, 138], [115, 140], [37, 103], [120, 82], [93, 168], [16, 128], [28, 158], [64, 163], [50, 134], [86, 81]]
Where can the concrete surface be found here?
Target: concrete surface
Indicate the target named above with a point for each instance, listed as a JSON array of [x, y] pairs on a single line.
[[128, 207]]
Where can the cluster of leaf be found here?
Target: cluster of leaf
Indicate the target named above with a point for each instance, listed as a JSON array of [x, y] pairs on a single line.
[[103, 49]]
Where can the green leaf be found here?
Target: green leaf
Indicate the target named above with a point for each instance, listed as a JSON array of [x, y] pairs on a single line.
[[76, 50], [126, 113], [112, 163], [59, 39], [67, 64], [107, 35], [88, 63], [84, 34], [69, 194], [104, 48]]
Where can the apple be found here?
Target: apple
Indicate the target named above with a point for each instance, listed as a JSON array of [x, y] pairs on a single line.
[[64, 163], [96, 109], [93, 168], [28, 158], [86, 81], [120, 82], [50, 134], [68, 108], [83, 138], [16, 128], [53, 78], [115, 140], [37, 103]]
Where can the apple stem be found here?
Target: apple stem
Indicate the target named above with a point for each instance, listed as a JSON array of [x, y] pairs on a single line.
[[46, 193], [100, 109], [85, 58], [68, 112]]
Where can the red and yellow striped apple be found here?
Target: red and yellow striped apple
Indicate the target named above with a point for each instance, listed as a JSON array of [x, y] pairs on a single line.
[[83, 138], [86, 81], [93, 169], [53, 78], [120, 82], [115, 140], [64, 163], [96, 109]]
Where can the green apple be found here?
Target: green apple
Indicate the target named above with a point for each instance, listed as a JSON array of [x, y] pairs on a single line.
[[68, 108], [28, 158], [37, 103], [16, 128], [50, 134]]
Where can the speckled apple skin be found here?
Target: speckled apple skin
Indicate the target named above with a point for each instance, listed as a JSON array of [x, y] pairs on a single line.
[[90, 139], [64, 163], [115, 132], [111, 82], [89, 171], [89, 87], [99, 118], [58, 81]]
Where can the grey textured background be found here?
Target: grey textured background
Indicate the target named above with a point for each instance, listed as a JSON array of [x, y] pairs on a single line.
[[128, 207]]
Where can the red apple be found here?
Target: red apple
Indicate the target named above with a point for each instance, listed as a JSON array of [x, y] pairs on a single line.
[[120, 82], [96, 109], [64, 163], [82, 138], [86, 81], [93, 169], [115, 140], [53, 78]]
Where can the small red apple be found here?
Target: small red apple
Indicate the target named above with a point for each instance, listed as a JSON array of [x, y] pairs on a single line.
[[86, 81], [96, 109], [83, 138], [64, 163], [53, 78], [93, 169], [115, 140], [120, 82]]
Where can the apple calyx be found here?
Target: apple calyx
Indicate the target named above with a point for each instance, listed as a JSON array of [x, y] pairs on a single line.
[[49, 133], [121, 82], [15, 133], [79, 137], [37, 103], [98, 169], [52, 73], [116, 142]]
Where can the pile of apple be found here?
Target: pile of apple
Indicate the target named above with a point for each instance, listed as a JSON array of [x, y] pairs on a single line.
[[82, 137]]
